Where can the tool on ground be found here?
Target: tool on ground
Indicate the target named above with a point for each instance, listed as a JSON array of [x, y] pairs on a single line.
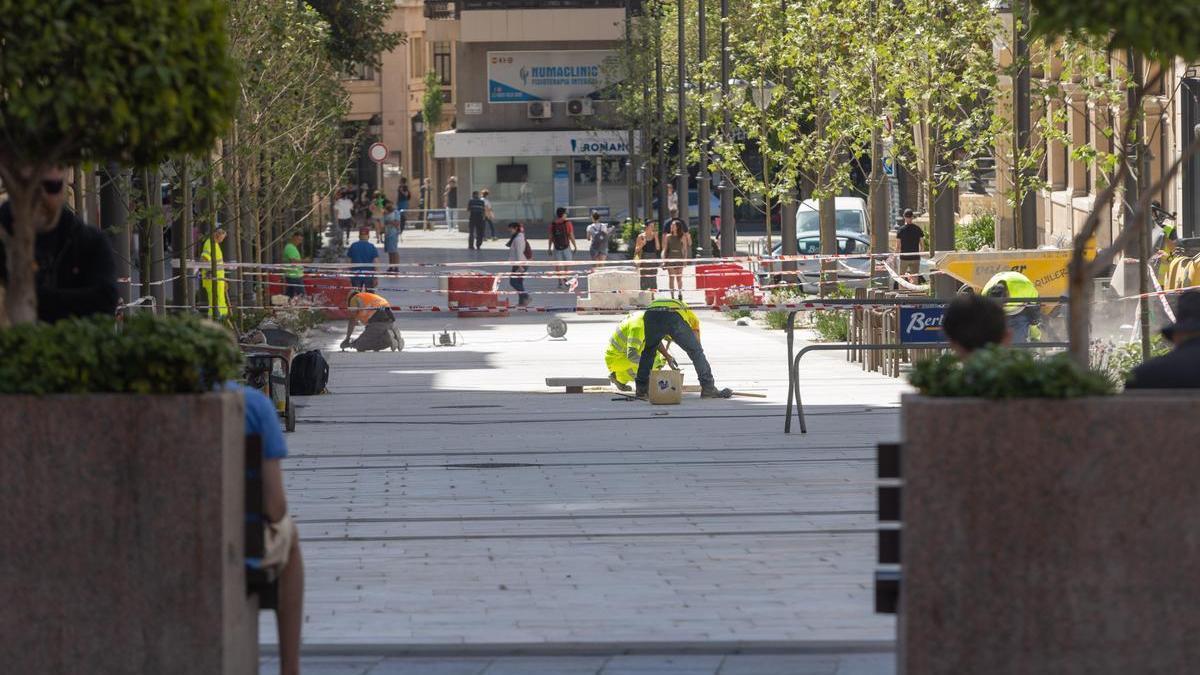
[[447, 338], [557, 329]]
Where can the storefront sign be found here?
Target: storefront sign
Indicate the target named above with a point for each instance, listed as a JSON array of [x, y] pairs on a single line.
[[921, 325], [591, 143], [519, 77], [562, 184]]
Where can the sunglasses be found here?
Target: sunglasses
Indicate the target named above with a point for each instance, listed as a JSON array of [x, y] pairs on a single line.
[[52, 187]]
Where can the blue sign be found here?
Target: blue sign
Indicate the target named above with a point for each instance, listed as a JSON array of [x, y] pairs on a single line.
[[921, 325], [435, 216], [889, 167]]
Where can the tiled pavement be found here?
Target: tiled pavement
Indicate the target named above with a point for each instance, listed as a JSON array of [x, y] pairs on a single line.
[[446, 498]]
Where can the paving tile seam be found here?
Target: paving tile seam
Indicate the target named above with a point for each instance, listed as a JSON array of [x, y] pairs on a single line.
[[591, 648], [623, 516], [562, 465], [653, 416], [640, 451], [599, 535]]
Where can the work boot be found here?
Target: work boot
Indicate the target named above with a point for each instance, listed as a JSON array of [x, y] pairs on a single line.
[[621, 386], [713, 392], [642, 392]]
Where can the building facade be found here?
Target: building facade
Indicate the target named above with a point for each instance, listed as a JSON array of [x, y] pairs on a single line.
[[533, 120]]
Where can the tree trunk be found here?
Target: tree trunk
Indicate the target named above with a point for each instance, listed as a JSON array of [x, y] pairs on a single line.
[[155, 221], [1079, 310], [20, 298]]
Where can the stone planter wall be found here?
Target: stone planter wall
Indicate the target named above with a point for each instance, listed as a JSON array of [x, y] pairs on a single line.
[[121, 535], [1050, 536]]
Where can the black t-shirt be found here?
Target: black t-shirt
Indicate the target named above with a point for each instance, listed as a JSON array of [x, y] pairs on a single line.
[[910, 237], [475, 210]]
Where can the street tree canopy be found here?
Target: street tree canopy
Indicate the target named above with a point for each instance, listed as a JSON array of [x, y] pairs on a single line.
[[356, 30], [126, 80], [1161, 30]]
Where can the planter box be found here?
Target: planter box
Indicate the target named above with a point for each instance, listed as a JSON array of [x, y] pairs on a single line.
[[1050, 536], [122, 526]]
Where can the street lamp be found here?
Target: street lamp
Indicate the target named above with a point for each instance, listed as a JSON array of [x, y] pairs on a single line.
[[762, 93]]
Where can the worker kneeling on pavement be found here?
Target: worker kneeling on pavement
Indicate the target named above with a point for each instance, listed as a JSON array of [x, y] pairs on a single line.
[[1023, 318], [672, 319], [625, 351], [376, 314]]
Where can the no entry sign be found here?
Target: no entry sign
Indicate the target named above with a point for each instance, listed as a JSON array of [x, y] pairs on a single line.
[[377, 152]]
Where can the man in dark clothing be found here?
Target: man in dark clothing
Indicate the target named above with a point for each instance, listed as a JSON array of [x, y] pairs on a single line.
[[476, 212], [76, 272], [910, 235], [1181, 368]]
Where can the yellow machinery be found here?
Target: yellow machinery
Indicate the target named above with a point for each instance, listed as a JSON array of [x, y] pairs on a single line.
[[1046, 269]]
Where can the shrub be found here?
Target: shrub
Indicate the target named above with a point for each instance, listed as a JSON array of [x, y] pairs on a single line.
[[833, 325], [777, 318], [143, 355], [980, 231], [1001, 372], [1116, 362], [733, 300]]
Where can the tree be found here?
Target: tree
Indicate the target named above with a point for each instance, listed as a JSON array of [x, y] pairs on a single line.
[[356, 30], [431, 109], [1159, 33], [125, 80]]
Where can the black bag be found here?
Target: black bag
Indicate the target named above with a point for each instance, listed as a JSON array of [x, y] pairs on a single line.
[[310, 373]]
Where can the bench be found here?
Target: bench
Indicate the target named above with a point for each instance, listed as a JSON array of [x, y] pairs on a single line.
[[575, 385], [261, 582]]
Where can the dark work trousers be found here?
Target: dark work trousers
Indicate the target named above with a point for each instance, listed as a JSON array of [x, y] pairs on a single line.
[[661, 323], [517, 281], [475, 234]]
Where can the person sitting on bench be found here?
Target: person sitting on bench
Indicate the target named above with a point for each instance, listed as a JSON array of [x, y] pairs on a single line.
[[375, 313]]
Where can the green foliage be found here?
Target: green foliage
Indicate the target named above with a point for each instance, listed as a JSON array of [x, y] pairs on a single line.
[[733, 311], [833, 325], [976, 233], [1162, 30], [777, 318], [1117, 361], [1002, 373], [126, 80], [143, 355], [356, 30], [431, 107]]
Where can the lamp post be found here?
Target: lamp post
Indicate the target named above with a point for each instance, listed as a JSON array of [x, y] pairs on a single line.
[[728, 227], [681, 191], [703, 179]]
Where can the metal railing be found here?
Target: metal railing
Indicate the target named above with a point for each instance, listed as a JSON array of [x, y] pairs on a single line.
[[442, 10]]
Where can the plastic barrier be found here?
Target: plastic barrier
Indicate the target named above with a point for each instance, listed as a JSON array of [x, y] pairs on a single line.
[[474, 290], [716, 280]]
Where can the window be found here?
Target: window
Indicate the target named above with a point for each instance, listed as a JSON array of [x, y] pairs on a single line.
[[363, 71], [416, 57], [442, 64]]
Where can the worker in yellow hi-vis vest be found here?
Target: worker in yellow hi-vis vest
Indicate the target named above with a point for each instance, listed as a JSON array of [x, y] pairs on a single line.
[[1023, 318], [673, 320], [214, 288], [625, 349]]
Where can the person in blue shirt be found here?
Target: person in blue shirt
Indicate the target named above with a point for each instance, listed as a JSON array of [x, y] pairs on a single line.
[[363, 254], [263, 421]]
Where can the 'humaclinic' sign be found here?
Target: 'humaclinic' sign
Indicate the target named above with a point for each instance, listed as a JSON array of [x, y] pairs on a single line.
[[519, 77]]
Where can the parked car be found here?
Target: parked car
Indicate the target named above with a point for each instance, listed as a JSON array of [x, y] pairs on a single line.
[[851, 215], [852, 272]]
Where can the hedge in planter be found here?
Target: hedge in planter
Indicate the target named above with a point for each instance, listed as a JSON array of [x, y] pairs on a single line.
[[142, 355], [1001, 372]]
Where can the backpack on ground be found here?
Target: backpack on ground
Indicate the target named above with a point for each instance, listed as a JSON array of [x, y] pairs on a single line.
[[310, 373]]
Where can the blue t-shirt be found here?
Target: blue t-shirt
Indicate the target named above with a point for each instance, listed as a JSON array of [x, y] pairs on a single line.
[[263, 421], [363, 252]]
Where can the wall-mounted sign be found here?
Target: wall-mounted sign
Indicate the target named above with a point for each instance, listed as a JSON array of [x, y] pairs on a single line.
[[473, 108], [921, 325], [592, 143], [519, 77]]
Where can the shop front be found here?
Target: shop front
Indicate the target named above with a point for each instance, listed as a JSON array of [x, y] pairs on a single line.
[[531, 173]]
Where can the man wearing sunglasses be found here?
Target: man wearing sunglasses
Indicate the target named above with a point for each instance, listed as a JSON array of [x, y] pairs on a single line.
[[76, 273]]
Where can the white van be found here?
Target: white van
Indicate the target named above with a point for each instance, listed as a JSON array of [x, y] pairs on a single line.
[[851, 215]]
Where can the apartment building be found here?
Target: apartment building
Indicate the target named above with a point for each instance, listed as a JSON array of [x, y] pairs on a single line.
[[386, 103], [533, 120]]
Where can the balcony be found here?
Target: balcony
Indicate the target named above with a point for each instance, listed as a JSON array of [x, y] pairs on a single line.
[[442, 10]]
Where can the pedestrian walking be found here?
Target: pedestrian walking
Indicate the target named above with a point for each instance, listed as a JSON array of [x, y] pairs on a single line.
[[363, 253], [393, 227], [519, 251], [677, 246], [672, 201], [525, 194], [343, 210], [648, 248], [598, 235], [561, 242], [377, 210], [489, 215], [910, 235], [450, 194], [403, 195], [294, 274], [476, 210], [1181, 368]]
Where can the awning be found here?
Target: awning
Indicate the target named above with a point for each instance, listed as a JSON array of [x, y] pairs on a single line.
[[592, 143]]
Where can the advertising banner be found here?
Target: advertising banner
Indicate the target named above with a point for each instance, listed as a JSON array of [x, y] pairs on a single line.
[[921, 325], [520, 77]]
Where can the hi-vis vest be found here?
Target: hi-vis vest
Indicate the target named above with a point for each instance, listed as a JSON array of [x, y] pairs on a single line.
[[1019, 286], [625, 348], [678, 305]]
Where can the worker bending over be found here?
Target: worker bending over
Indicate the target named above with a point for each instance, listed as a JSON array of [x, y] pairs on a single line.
[[672, 319], [625, 351], [376, 314], [1023, 318]]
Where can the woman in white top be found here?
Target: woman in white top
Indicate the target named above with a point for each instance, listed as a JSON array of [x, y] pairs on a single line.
[[518, 252]]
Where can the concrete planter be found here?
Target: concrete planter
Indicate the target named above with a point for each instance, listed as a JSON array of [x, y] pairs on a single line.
[[1050, 536], [122, 529]]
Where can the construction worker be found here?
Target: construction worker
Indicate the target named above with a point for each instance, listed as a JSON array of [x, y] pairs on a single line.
[[670, 318], [1164, 236], [214, 288], [375, 312], [1023, 318], [625, 350]]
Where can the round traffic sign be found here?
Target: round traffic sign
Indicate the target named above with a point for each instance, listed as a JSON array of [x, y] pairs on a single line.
[[378, 152]]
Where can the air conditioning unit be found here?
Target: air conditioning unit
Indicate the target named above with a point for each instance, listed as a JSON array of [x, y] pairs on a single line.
[[540, 110], [577, 107]]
